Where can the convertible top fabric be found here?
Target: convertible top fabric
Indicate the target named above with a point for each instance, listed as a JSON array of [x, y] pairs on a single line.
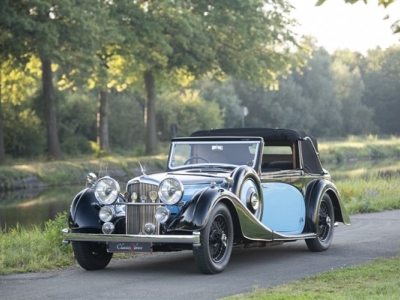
[[268, 134], [308, 142]]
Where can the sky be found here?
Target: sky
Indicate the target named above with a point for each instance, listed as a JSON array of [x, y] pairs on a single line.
[[338, 25]]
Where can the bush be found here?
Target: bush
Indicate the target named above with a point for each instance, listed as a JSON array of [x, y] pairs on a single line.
[[76, 144], [24, 133]]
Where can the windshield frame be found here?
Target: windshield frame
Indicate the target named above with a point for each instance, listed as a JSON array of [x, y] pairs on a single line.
[[257, 141]]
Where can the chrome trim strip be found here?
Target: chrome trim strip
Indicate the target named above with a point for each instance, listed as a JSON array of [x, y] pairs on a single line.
[[284, 237], [143, 204], [164, 239]]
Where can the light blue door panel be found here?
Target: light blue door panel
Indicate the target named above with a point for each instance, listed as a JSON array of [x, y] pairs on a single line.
[[284, 208]]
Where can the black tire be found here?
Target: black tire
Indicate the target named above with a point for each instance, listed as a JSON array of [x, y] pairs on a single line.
[[216, 239], [326, 220], [91, 256]]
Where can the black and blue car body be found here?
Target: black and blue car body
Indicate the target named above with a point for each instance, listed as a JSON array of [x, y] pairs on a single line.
[[222, 189]]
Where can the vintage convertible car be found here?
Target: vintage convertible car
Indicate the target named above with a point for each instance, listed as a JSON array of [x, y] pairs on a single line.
[[223, 188]]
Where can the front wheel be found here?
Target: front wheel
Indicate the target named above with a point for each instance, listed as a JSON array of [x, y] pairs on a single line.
[[216, 242], [326, 221], [91, 255]]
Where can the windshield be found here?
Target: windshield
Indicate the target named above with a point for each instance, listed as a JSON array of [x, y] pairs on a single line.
[[192, 153]]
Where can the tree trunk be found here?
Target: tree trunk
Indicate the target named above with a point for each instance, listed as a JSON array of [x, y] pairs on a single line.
[[150, 114], [102, 121], [2, 151], [53, 145]]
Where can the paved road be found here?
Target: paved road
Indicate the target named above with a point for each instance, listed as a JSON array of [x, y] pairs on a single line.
[[174, 275]]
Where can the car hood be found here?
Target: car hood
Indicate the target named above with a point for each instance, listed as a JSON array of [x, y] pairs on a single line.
[[186, 177], [192, 181]]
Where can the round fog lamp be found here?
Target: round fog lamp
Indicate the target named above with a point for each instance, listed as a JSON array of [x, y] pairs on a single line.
[[149, 228], [108, 228], [106, 213], [162, 214]]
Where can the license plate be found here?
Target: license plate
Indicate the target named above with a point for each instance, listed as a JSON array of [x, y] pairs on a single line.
[[129, 247]]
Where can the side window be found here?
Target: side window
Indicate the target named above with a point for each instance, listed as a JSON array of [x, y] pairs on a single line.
[[277, 158], [276, 150]]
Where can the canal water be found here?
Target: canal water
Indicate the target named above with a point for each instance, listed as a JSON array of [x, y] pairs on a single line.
[[35, 207]]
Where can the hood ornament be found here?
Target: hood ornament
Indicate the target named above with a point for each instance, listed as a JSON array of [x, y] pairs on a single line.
[[142, 169]]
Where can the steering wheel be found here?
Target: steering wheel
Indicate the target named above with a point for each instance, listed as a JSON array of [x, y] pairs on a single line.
[[195, 157]]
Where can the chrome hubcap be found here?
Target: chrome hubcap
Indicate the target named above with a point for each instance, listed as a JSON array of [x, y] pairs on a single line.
[[224, 239]]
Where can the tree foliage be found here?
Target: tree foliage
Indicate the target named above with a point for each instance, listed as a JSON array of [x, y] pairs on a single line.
[[382, 88], [166, 68], [51, 31], [251, 40]]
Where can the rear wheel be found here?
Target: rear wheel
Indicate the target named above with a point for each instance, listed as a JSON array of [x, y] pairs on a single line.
[[326, 221], [216, 242], [91, 255]]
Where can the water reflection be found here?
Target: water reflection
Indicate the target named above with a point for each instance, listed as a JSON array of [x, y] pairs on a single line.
[[34, 207]]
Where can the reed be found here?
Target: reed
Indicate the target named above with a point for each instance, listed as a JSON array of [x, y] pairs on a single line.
[[36, 248], [365, 195]]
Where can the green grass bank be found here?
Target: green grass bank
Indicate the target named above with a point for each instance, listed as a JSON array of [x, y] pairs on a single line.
[[376, 280]]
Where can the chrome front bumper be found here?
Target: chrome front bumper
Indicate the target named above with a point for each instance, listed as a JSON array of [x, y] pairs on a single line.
[[193, 239]]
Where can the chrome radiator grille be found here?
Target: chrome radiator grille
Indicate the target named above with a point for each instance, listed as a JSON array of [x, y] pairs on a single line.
[[141, 211]]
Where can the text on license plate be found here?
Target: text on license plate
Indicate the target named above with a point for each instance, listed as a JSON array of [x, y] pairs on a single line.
[[129, 247]]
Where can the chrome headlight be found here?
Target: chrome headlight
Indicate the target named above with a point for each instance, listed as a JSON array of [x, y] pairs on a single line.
[[106, 190], [170, 191]]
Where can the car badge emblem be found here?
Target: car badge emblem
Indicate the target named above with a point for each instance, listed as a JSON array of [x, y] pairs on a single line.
[[143, 198]]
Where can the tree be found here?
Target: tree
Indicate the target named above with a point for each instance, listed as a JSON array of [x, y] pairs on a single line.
[[316, 80], [223, 93], [251, 40], [23, 130], [382, 88], [2, 151], [188, 110], [349, 90], [61, 31]]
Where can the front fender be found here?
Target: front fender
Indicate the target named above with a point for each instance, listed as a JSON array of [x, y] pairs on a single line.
[[84, 211], [194, 214], [314, 193]]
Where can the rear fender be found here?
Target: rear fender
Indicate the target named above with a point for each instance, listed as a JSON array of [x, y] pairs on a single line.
[[314, 193], [84, 211]]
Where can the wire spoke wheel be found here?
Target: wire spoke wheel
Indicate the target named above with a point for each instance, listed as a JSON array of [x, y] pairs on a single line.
[[218, 238], [216, 242], [325, 222], [324, 227]]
